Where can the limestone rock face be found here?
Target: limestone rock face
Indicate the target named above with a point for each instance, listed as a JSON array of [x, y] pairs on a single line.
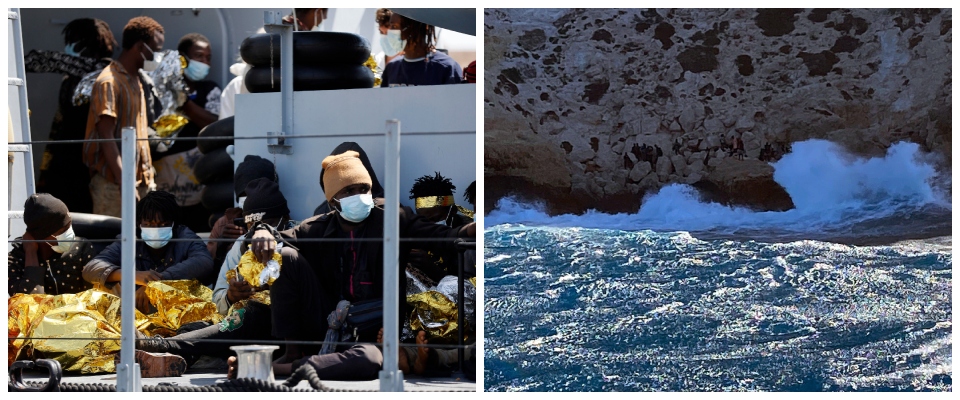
[[571, 96]]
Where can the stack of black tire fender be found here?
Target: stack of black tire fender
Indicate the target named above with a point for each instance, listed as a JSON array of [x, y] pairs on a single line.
[[321, 61], [214, 169]]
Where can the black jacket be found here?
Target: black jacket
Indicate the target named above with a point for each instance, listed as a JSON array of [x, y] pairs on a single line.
[[338, 279]]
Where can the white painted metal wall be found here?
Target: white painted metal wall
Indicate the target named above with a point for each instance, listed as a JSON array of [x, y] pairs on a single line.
[[18, 194], [447, 108]]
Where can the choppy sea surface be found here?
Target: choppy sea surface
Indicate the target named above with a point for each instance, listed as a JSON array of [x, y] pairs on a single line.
[[849, 291]]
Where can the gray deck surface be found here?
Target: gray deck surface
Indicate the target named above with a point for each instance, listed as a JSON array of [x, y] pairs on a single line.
[[210, 377]]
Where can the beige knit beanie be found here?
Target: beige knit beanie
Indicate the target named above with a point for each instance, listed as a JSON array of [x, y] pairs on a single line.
[[342, 170]]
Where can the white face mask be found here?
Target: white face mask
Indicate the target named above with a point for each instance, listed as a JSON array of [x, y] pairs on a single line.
[[156, 237], [151, 65], [317, 20], [444, 220], [356, 208], [391, 42], [64, 241]]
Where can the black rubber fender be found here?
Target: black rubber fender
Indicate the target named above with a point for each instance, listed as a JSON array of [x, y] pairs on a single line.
[[214, 166], [223, 127], [217, 196], [336, 77], [309, 48], [95, 226]]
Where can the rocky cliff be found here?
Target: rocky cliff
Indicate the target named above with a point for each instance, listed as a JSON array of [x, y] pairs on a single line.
[[588, 108]]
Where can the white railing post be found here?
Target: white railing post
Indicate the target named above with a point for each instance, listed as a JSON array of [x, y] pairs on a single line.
[[128, 372], [391, 378], [273, 24]]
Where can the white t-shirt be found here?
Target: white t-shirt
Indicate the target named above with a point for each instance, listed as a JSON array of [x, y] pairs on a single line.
[[227, 101]]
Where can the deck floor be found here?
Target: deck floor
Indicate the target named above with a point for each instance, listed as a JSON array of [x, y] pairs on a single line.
[[204, 377]]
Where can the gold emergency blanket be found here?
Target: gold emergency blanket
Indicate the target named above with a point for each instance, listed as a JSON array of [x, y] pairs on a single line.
[[178, 303], [168, 124], [250, 269], [372, 64], [435, 314], [86, 318]]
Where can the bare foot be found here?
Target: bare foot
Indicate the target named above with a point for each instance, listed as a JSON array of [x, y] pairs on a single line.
[[402, 363], [232, 367], [422, 353]]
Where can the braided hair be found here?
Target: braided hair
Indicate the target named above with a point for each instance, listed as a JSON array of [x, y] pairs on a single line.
[[418, 33], [158, 205], [471, 193], [432, 186], [93, 37]]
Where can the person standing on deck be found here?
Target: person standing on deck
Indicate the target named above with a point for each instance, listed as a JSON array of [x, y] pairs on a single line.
[[117, 101], [175, 165], [421, 63], [89, 46]]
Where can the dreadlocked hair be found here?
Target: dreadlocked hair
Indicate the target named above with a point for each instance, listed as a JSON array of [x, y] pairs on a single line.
[[432, 186], [383, 16], [158, 205], [471, 193], [188, 40], [418, 33], [93, 37], [139, 29]]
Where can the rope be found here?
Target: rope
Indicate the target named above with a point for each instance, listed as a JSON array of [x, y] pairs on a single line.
[[305, 372]]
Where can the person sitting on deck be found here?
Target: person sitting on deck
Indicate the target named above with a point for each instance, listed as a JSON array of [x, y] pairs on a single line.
[[264, 203], [376, 191], [421, 63], [51, 267], [251, 168], [433, 196], [156, 258], [315, 278]]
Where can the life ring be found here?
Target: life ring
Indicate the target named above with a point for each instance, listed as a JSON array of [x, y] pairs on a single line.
[[213, 167], [217, 196], [309, 48], [331, 77], [223, 127]]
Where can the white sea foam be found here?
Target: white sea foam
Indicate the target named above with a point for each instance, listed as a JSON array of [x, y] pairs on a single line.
[[829, 188]]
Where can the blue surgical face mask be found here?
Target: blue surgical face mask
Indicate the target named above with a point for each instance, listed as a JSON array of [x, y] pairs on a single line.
[[196, 70], [70, 50], [64, 241], [356, 208], [391, 42], [156, 237], [444, 220]]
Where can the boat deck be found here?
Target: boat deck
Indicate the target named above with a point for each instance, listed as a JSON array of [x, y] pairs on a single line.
[[205, 377]]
